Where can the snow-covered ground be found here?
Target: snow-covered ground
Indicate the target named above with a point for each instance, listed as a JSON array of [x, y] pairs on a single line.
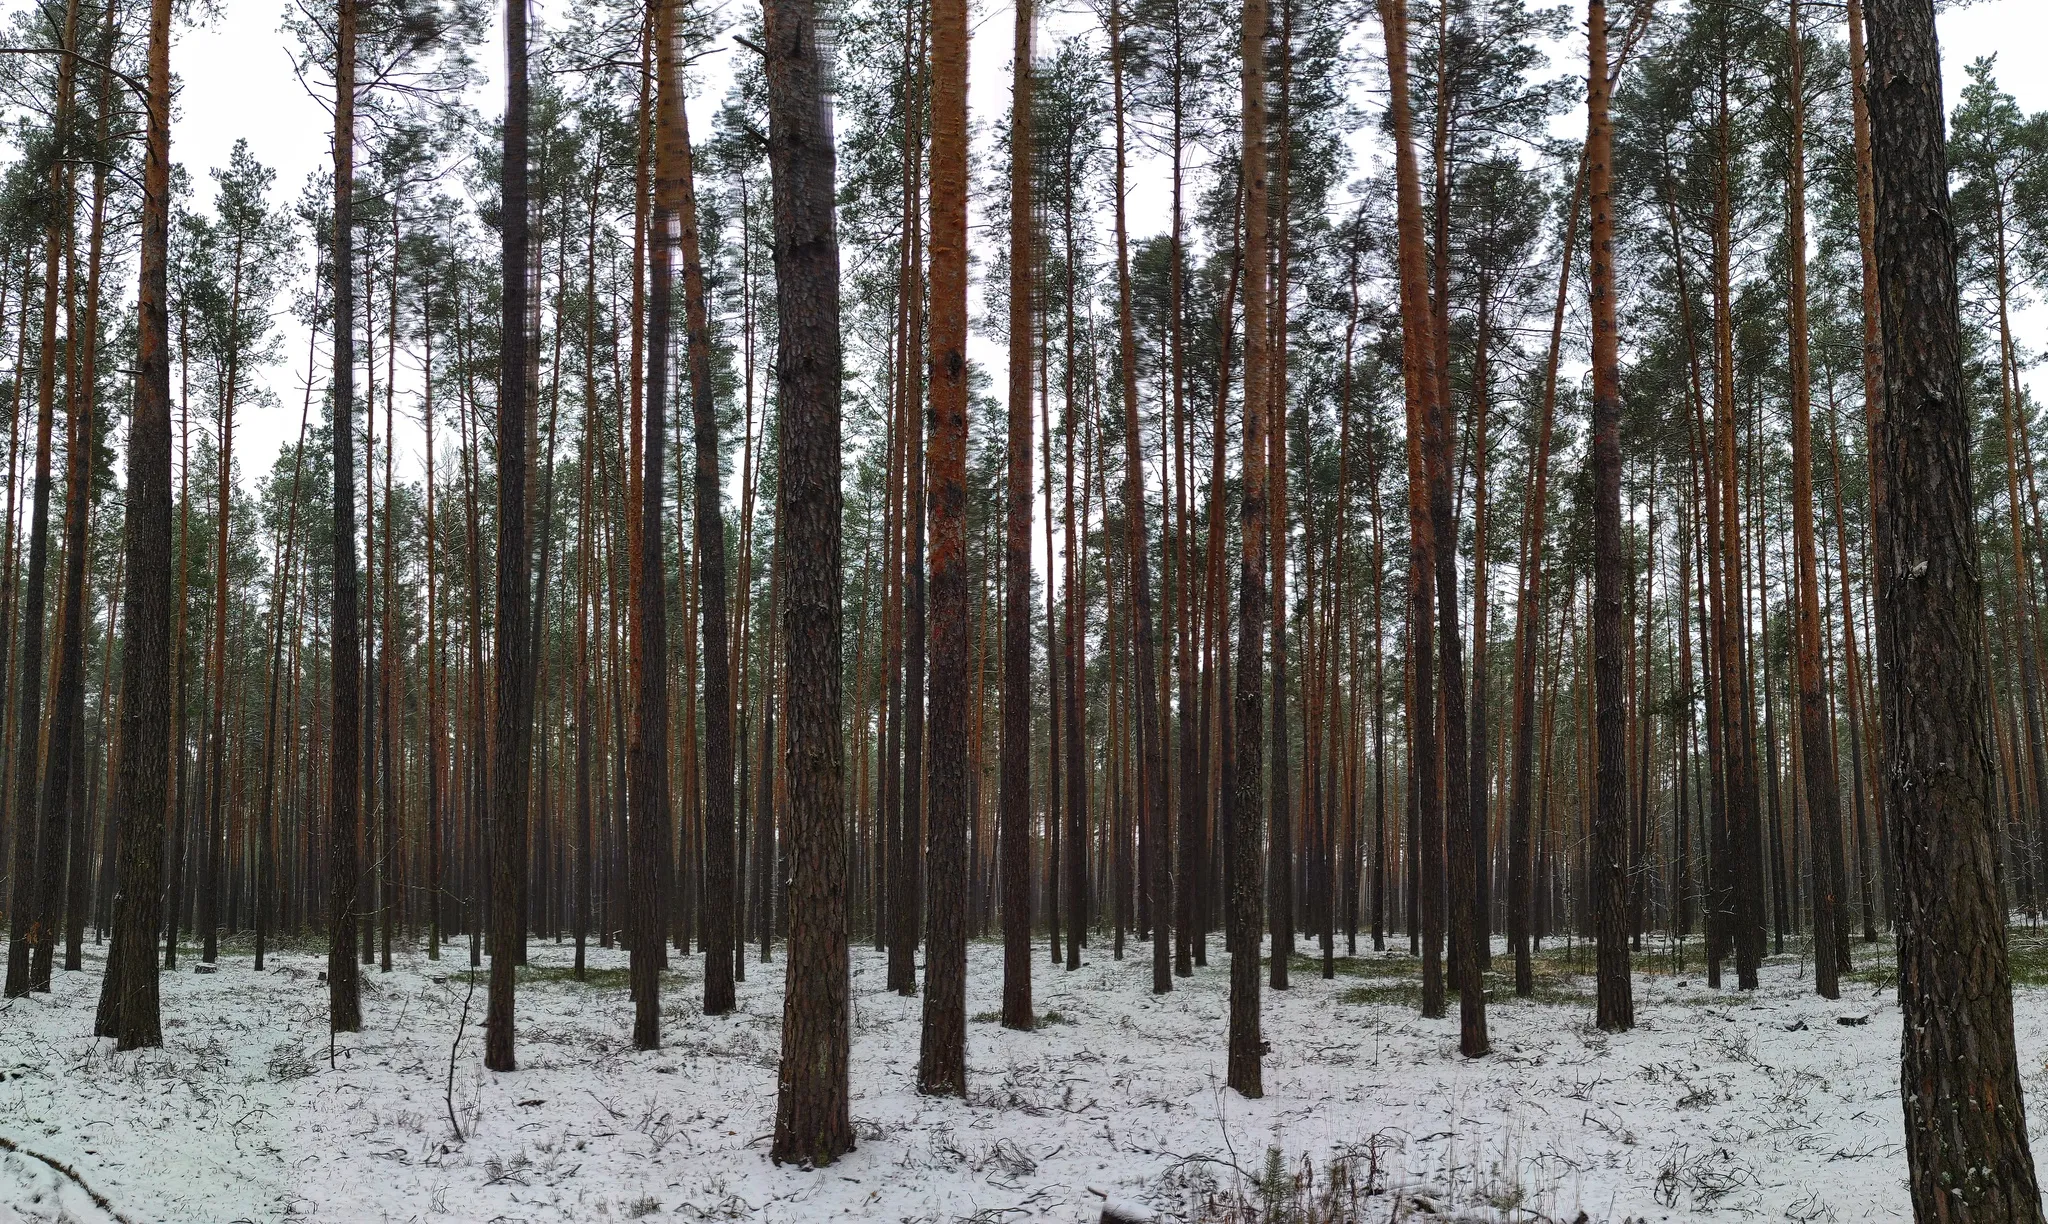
[[1719, 1105]]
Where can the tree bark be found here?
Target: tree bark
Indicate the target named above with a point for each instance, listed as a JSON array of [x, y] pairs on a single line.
[[942, 1057], [128, 1009], [1419, 371], [1015, 832], [512, 675], [1965, 1119], [1616, 1000], [1246, 883], [28, 928], [1151, 797], [344, 1002], [647, 746], [1823, 801], [1528, 629], [812, 1122]]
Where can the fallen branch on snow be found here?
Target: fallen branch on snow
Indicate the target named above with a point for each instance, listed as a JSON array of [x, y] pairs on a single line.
[[99, 1200], [460, 1027]]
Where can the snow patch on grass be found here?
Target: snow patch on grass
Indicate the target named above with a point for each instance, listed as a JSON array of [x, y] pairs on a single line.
[[1719, 1105]]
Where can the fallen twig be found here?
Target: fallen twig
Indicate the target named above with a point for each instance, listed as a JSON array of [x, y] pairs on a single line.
[[460, 1027], [99, 1200]]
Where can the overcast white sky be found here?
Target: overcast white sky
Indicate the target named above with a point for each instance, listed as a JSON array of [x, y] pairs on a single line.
[[237, 82]]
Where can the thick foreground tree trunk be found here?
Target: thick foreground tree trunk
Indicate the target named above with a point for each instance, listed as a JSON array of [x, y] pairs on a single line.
[[1966, 1128], [509, 783], [128, 1010], [1246, 885], [942, 1058], [1615, 1004], [812, 1119], [344, 1000], [1014, 830]]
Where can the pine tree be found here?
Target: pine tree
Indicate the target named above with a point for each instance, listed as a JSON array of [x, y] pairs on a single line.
[[1015, 831], [1966, 1137], [512, 678], [128, 1009], [344, 1000], [1616, 1004], [812, 1122], [942, 1059], [1247, 884]]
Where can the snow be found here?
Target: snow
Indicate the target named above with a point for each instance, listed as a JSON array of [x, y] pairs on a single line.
[[1719, 1105]]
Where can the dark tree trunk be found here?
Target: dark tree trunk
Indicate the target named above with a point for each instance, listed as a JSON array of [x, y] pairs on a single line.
[[67, 702], [1451, 881], [344, 1002], [812, 1122], [512, 674], [714, 632], [77, 885], [1529, 633], [1246, 878], [1966, 1131], [1823, 801], [1280, 882], [1015, 831], [128, 1009], [29, 929], [1418, 363], [942, 1057], [1616, 998]]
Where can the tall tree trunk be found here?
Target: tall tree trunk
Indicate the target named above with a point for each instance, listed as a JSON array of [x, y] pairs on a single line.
[[65, 841], [1151, 781], [1823, 801], [1856, 694], [1246, 884], [280, 583], [344, 1002], [1055, 704], [512, 674], [1873, 384], [1616, 999], [1015, 833], [28, 928], [216, 788], [1529, 626], [910, 867], [942, 1057], [647, 750], [715, 656], [1419, 370], [1074, 866], [77, 884], [812, 1122], [1481, 936], [1176, 362], [1280, 869], [1742, 874], [1965, 1119], [1451, 882], [128, 1009], [435, 732]]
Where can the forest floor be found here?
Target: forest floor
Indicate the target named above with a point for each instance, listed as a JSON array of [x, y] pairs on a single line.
[[1774, 1105]]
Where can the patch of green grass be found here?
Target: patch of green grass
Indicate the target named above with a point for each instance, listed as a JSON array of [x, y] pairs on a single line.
[[2026, 953], [1403, 993], [1311, 965], [610, 978], [1559, 989], [995, 1017]]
